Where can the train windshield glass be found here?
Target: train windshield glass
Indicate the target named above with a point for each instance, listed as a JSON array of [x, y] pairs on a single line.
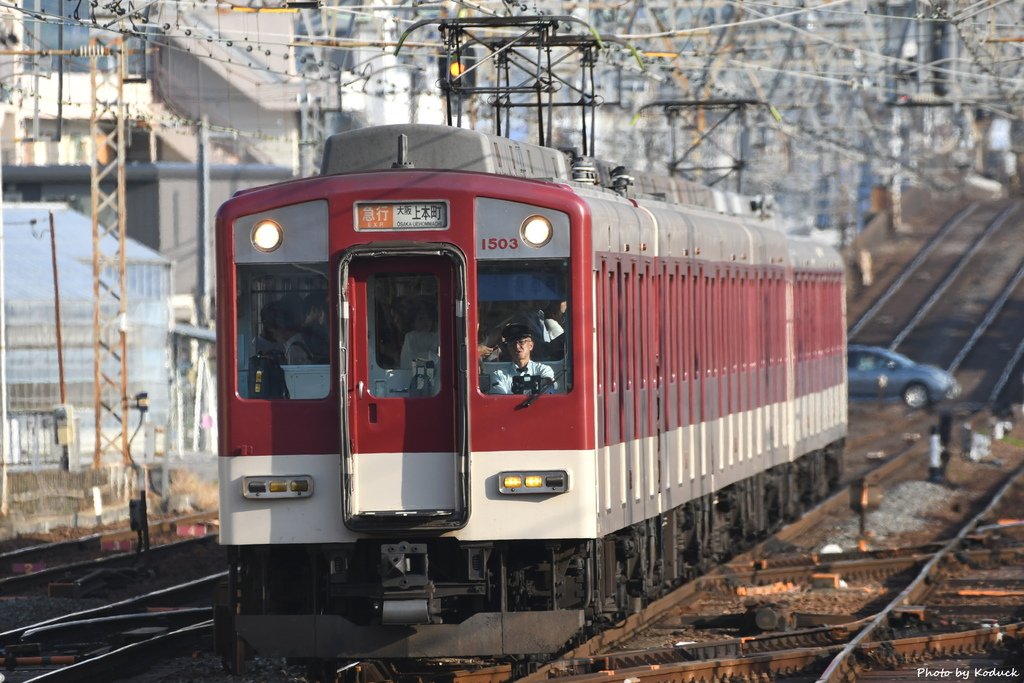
[[283, 331], [520, 297], [406, 360]]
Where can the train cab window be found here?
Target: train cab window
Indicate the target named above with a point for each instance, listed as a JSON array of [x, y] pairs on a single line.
[[403, 332], [283, 347], [524, 296]]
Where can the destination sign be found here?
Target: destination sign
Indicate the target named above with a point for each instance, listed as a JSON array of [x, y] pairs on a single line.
[[401, 216]]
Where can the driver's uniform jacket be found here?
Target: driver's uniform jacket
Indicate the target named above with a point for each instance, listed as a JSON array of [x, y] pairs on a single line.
[[501, 379]]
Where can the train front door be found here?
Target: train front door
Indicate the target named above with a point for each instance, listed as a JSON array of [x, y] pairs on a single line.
[[404, 422]]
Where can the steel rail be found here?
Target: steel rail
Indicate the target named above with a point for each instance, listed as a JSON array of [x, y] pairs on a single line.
[[947, 281], [1007, 372], [840, 500], [836, 636], [897, 284], [995, 309], [768, 666], [96, 625], [872, 559], [135, 657], [650, 614], [71, 542], [156, 598], [842, 664], [18, 580], [619, 633]]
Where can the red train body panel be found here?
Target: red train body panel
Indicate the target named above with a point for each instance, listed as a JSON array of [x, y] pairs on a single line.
[[383, 497]]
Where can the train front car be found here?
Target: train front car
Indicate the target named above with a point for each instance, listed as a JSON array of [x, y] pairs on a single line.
[[391, 484], [475, 402]]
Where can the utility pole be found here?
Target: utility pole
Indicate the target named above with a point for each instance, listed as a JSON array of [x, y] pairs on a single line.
[[203, 276], [65, 460], [109, 281], [5, 428]]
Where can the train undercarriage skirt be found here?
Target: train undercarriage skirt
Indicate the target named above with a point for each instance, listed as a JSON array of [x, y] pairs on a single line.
[[332, 636]]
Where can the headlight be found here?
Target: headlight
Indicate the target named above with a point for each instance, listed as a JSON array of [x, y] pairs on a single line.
[[536, 231], [267, 236]]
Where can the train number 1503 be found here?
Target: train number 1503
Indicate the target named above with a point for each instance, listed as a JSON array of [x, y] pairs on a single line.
[[498, 243]]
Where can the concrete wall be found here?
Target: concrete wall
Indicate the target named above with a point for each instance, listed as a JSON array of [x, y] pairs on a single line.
[[40, 501]]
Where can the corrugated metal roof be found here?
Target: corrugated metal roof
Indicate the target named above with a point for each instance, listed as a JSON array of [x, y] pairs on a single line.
[[28, 272]]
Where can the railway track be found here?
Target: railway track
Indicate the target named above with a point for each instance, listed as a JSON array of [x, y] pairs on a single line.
[[895, 307], [23, 556], [909, 628], [807, 629], [966, 310], [997, 336], [100, 575], [957, 303], [762, 571], [106, 643], [59, 581]]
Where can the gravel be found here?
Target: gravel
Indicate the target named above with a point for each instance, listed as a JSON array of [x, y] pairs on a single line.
[[22, 611], [905, 509], [204, 667], [201, 667]]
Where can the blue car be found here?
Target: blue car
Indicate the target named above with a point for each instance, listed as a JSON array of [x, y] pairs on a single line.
[[874, 371]]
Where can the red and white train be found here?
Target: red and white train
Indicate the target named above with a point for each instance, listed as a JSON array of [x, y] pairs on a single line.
[[378, 501]]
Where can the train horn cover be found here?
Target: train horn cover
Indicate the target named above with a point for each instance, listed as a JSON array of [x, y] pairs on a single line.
[[267, 236], [536, 231]]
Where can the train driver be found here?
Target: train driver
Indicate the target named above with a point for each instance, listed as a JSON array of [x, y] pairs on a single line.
[[521, 375]]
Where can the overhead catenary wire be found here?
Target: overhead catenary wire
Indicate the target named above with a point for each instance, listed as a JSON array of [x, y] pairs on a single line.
[[830, 65], [284, 42]]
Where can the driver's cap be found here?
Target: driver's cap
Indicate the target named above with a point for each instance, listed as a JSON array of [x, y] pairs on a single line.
[[515, 332]]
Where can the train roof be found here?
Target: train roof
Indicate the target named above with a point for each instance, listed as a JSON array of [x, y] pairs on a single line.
[[440, 147], [449, 148], [809, 254]]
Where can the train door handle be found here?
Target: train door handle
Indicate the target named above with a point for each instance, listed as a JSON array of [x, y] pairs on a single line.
[[361, 388]]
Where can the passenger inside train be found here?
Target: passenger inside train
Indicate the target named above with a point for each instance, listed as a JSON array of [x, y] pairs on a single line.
[[282, 332], [421, 342], [403, 333], [314, 327]]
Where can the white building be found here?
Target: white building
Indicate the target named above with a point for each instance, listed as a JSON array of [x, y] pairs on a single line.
[[32, 364]]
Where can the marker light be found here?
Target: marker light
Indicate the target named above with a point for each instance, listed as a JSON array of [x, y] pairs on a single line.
[[267, 236], [536, 481], [513, 481], [288, 486], [536, 231]]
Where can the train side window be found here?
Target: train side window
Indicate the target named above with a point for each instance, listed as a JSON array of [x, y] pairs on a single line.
[[402, 330], [530, 293], [283, 330]]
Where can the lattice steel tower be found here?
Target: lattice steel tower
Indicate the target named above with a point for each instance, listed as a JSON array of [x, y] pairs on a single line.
[[109, 281]]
